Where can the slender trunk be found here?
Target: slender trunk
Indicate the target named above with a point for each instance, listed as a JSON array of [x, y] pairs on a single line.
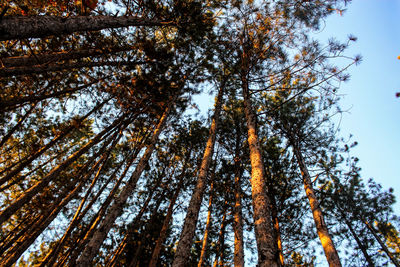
[[31, 192], [359, 243], [329, 248], [52, 255], [17, 101], [17, 126], [82, 240], [238, 255], [264, 232], [25, 61], [116, 208], [30, 237], [37, 154], [208, 225], [275, 220], [135, 224], [52, 212], [37, 69], [145, 234], [20, 27], [161, 238], [219, 258], [381, 243], [185, 242]]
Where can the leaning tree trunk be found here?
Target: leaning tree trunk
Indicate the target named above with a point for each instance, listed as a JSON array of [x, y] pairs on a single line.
[[161, 238], [37, 69], [207, 229], [31, 60], [185, 242], [331, 253], [360, 245], [117, 207], [264, 232], [31, 192], [26, 161], [20, 27], [381, 243]]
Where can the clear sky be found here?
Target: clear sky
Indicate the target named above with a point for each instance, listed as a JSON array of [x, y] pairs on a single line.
[[374, 116]]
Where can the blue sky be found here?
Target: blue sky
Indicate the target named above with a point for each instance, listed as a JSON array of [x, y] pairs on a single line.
[[374, 115]]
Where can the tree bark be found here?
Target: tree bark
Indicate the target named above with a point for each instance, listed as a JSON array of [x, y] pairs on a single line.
[[40, 59], [238, 254], [208, 225], [37, 69], [116, 208], [21, 27], [381, 243], [267, 250], [192, 214], [329, 248]]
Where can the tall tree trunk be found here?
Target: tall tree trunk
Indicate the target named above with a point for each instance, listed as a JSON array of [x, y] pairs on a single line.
[[264, 232], [185, 242], [238, 256], [381, 243], [116, 208], [31, 192], [37, 69], [67, 195], [31, 60], [275, 220], [52, 255], [219, 254], [207, 229], [329, 248], [25, 162], [359, 243], [18, 101], [17, 125], [21, 27]]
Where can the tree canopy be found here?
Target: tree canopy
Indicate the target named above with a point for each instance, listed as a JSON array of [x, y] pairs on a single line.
[[104, 160]]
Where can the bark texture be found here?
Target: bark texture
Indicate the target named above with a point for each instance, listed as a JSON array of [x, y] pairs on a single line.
[[329, 248], [38, 69], [116, 208], [208, 224], [42, 26], [192, 214], [267, 250]]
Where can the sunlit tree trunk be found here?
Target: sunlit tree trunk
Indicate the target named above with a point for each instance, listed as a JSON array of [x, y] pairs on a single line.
[[51, 257], [116, 208], [267, 251], [207, 229], [21, 27], [185, 242], [327, 243]]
